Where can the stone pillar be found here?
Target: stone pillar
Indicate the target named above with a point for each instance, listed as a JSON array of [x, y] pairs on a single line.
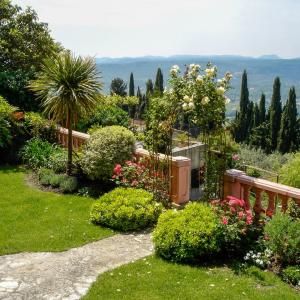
[[258, 208], [271, 206]]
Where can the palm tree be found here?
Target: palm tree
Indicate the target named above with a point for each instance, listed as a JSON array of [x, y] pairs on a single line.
[[68, 87]]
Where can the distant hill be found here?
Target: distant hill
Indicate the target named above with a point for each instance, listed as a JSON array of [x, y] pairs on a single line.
[[261, 72]]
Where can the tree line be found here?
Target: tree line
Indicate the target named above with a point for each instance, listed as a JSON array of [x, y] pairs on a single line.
[[119, 87], [277, 128]]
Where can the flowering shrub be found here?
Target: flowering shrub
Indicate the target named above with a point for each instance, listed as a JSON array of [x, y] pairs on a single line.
[[138, 175], [235, 220], [260, 259]]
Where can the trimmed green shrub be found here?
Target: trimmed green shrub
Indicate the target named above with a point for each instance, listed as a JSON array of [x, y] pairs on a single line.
[[126, 209], [187, 234], [283, 238], [105, 148], [45, 176], [289, 173], [69, 184], [291, 275], [56, 180], [105, 115]]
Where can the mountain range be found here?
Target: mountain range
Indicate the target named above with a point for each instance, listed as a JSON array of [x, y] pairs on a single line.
[[261, 72]]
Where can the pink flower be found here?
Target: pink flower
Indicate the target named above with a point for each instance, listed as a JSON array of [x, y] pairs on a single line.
[[134, 183], [249, 219], [118, 169], [232, 210], [224, 220], [241, 215], [215, 202], [235, 157], [235, 201]]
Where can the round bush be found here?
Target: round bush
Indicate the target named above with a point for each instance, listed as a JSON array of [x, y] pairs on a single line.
[[289, 173], [126, 209], [187, 234], [45, 176], [105, 148], [57, 179], [283, 238]]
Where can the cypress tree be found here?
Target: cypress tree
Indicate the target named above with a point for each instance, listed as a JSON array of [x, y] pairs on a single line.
[[256, 116], [159, 82], [250, 118], [287, 139], [131, 85], [149, 88], [262, 108], [242, 125], [275, 113]]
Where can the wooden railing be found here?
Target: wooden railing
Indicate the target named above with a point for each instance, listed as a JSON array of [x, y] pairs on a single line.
[[238, 184]]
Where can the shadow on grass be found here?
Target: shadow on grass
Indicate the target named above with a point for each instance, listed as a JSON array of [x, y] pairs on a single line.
[[11, 169]]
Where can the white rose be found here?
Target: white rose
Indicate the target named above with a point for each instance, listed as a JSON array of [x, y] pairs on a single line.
[[210, 72], [199, 79], [186, 98], [191, 105], [174, 70], [220, 90], [227, 100], [205, 100], [185, 106]]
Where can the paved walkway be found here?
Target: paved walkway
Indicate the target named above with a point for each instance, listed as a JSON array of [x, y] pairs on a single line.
[[69, 274]]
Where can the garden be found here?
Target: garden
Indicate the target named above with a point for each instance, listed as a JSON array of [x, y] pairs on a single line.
[[55, 198]]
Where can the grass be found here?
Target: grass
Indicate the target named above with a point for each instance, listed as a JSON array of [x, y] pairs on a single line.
[[153, 278], [32, 220]]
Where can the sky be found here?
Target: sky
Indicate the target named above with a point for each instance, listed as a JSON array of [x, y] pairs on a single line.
[[118, 28]]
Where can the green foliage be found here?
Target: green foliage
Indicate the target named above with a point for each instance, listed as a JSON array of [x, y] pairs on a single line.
[[283, 238], [24, 43], [275, 113], [241, 126], [262, 108], [68, 184], [105, 115], [56, 180], [105, 148], [159, 83], [131, 86], [36, 153], [187, 234], [291, 275], [116, 100], [293, 209], [68, 87], [37, 126], [45, 176], [289, 173], [118, 87], [258, 158], [126, 209], [287, 137]]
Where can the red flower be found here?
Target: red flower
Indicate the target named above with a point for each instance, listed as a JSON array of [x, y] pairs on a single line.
[[249, 219], [224, 220], [118, 169], [235, 201]]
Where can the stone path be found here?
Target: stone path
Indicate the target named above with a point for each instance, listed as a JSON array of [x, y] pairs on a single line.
[[69, 274]]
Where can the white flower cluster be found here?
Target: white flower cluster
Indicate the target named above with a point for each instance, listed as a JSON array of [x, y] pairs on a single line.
[[175, 70], [205, 100], [188, 103], [210, 72], [260, 259], [194, 69]]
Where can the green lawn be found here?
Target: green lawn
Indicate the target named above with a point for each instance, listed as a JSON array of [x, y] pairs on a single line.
[[33, 220], [153, 278]]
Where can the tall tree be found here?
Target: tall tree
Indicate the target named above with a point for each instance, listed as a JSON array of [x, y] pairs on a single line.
[[24, 43], [149, 88], [275, 113], [250, 117], [118, 87], [68, 87], [287, 139], [256, 116], [262, 108], [159, 82], [131, 86], [241, 131]]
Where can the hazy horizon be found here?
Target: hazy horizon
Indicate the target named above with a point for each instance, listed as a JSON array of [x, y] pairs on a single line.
[[164, 28]]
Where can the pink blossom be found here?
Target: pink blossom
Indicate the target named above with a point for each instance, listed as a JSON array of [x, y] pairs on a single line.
[[224, 220], [215, 202], [241, 215], [235, 157], [235, 201], [232, 210], [249, 219], [118, 169]]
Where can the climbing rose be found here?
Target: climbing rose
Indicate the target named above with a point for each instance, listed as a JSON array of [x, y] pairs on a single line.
[[118, 169], [224, 220]]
